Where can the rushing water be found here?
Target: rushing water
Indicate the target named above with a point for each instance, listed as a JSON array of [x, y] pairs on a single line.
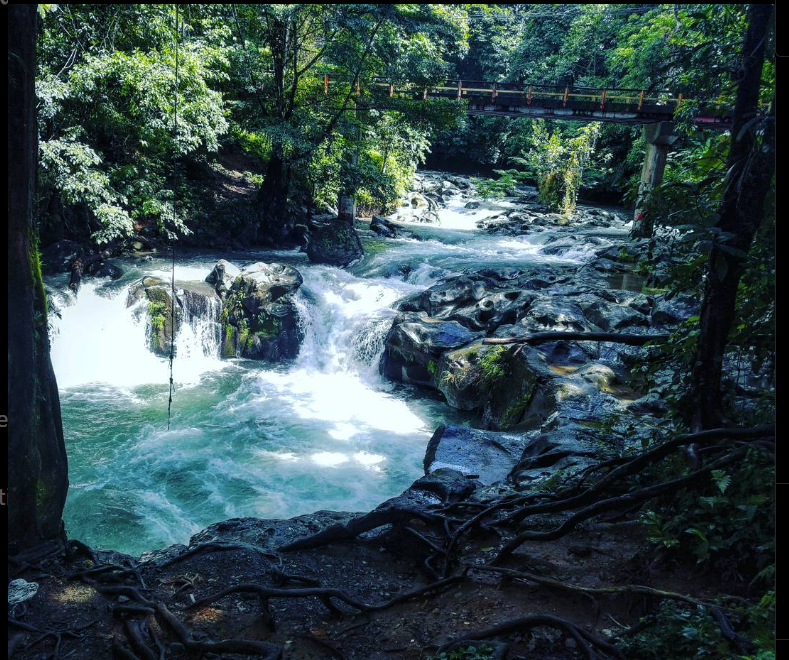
[[249, 439]]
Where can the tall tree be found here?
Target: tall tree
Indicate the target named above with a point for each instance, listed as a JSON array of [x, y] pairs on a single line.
[[37, 465], [750, 170]]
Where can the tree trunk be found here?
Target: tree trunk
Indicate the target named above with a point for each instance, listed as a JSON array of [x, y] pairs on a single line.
[[275, 225], [37, 465], [750, 167]]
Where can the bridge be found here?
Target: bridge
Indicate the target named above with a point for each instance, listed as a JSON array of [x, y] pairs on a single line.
[[654, 110], [563, 103]]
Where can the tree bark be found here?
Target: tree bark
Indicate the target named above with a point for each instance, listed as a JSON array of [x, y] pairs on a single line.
[[37, 465], [750, 167]]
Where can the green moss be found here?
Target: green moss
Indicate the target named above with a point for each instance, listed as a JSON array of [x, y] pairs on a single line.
[[40, 302], [373, 246], [229, 344], [431, 366], [493, 364], [157, 311], [243, 336], [268, 326]]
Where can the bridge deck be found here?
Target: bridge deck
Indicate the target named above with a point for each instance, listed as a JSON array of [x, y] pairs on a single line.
[[624, 106]]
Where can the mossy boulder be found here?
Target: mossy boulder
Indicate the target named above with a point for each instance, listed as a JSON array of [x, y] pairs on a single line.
[[415, 345], [164, 321], [332, 241], [260, 320], [502, 383]]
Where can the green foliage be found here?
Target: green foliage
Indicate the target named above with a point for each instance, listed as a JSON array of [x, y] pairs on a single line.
[[730, 524], [481, 652], [687, 632], [107, 116], [556, 160], [156, 312]]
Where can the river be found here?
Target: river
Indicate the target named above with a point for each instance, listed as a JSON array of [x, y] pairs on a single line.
[[249, 439]]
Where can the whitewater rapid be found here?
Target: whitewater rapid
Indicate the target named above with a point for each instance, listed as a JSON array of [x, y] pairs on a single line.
[[246, 438]]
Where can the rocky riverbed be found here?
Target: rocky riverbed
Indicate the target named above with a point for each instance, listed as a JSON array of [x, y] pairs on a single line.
[[337, 388]]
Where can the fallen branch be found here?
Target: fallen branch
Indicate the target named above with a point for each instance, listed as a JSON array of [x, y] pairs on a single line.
[[615, 337]]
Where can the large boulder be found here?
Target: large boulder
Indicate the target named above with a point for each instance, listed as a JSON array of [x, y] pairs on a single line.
[[260, 320], [58, 257], [164, 320], [415, 344], [332, 241], [489, 457], [477, 301]]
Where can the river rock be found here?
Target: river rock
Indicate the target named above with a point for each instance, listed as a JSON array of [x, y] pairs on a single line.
[[332, 241], [383, 227], [58, 257], [416, 342], [260, 320], [488, 456], [164, 321], [104, 269], [222, 276], [675, 310]]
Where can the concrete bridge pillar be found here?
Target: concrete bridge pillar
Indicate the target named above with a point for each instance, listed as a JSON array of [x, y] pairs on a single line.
[[658, 137]]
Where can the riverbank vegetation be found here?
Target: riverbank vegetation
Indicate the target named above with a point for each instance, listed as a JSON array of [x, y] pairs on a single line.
[[636, 424]]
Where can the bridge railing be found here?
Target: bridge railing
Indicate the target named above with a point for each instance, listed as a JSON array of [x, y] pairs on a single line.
[[588, 99], [529, 93]]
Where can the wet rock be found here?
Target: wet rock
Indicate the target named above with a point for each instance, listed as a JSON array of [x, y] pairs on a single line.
[[164, 319], [556, 449], [416, 342], [553, 313], [222, 276], [472, 205], [383, 227], [104, 269], [675, 310], [651, 404], [488, 456], [260, 320], [57, 258], [466, 375], [612, 317], [332, 241], [481, 301]]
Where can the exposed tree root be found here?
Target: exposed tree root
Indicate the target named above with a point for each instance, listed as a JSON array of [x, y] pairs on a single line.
[[325, 595], [585, 640], [355, 527], [575, 496], [45, 633], [613, 503], [266, 650], [601, 591]]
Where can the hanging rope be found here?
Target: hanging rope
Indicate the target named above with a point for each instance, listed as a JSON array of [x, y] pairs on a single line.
[[172, 235]]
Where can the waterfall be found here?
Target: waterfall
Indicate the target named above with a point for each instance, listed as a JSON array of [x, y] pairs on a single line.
[[99, 339]]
